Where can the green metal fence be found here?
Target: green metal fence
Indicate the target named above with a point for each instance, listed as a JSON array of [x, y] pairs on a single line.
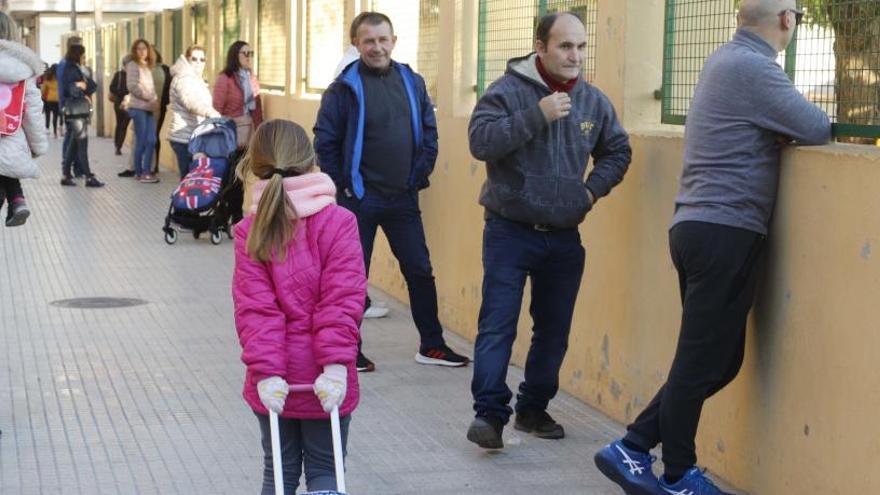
[[176, 33], [200, 24], [507, 30], [271, 43], [231, 23], [834, 59]]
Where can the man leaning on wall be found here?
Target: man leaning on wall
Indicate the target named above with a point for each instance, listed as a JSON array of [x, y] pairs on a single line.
[[376, 137], [744, 111], [536, 128]]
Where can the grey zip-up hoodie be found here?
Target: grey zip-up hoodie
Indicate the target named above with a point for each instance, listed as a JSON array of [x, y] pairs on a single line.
[[536, 170]]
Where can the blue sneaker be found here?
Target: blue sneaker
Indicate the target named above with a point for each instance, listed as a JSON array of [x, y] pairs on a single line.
[[694, 482], [629, 469]]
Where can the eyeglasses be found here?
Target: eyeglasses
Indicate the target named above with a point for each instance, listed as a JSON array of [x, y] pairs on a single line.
[[246, 53], [195, 59], [798, 15]]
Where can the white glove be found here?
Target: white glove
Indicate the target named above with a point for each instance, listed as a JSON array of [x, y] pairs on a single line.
[[330, 387], [273, 393]]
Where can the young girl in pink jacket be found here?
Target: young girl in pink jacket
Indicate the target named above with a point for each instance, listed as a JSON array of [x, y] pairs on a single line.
[[298, 289]]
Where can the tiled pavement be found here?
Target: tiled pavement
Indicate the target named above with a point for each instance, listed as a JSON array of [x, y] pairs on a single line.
[[146, 399]]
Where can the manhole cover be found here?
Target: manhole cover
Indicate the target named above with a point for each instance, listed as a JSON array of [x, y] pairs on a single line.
[[98, 302]]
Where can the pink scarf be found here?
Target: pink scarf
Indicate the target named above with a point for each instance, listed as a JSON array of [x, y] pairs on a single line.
[[309, 193]]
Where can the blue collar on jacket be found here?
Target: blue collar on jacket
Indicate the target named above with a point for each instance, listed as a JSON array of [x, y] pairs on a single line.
[[351, 77]]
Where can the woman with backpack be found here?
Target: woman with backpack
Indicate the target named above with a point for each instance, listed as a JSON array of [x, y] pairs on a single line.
[[22, 135], [191, 103], [77, 88], [49, 90]]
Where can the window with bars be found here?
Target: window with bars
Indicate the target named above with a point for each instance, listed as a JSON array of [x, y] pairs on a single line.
[[272, 43], [231, 24], [834, 59], [129, 38], [326, 40], [417, 26], [507, 30], [200, 24], [141, 27], [176, 33]]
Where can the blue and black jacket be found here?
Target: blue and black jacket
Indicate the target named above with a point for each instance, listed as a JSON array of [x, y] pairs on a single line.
[[339, 129]]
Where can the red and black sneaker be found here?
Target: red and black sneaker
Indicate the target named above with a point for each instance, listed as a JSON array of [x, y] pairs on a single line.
[[441, 356], [364, 365]]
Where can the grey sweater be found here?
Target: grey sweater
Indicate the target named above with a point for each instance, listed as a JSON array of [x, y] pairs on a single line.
[[536, 170], [743, 107]]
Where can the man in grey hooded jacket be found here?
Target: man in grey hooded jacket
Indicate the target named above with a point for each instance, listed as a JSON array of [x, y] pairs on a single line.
[[536, 128]]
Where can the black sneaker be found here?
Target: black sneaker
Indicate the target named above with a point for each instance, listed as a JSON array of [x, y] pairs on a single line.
[[67, 181], [485, 431], [539, 424], [441, 356], [126, 173], [18, 213], [364, 365], [94, 182]]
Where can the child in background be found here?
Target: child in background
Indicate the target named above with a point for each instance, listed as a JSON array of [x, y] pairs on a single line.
[[298, 289], [22, 136]]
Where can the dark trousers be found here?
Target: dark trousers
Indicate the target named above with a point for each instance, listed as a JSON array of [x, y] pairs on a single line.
[[555, 263], [401, 221], [10, 191], [159, 121], [65, 147], [184, 157], [122, 120], [77, 152], [717, 276], [52, 113], [304, 442]]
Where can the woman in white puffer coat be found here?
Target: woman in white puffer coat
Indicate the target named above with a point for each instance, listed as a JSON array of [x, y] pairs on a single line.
[[22, 135], [191, 103]]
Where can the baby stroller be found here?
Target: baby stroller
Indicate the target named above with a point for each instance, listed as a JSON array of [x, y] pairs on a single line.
[[201, 201]]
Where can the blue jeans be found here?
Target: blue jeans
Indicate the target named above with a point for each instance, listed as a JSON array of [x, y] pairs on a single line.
[[184, 157], [555, 263], [145, 140], [304, 442], [401, 221]]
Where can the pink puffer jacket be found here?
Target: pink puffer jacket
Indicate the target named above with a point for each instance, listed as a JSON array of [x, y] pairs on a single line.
[[294, 317]]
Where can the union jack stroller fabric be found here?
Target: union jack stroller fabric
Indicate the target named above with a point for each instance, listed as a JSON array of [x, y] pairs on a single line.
[[200, 201]]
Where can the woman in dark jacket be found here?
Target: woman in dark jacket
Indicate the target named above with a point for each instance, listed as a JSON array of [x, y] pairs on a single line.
[[77, 84]]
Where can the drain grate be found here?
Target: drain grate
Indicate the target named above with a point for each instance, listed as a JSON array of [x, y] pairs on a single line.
[[98, 302]]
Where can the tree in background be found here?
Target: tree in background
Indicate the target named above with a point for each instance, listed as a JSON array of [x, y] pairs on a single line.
[[856, 25]]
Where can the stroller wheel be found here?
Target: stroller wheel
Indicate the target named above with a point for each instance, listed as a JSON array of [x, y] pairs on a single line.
[[170, 236], [216, 238], [229, 233]]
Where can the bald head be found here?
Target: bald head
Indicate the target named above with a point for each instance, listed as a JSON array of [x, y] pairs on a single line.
[[754, 13]]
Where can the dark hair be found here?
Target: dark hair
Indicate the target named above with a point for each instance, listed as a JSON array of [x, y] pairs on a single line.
[[545, 24], [49, 74], [371, 18], [75, 53], [232, 64]]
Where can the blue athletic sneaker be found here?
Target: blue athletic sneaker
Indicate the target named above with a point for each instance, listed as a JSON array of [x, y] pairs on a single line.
[[694, 482], [629, 469]]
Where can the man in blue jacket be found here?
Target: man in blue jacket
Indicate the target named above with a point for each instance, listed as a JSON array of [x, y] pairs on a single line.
[[745, 109], [376, 136], [536, 128]]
